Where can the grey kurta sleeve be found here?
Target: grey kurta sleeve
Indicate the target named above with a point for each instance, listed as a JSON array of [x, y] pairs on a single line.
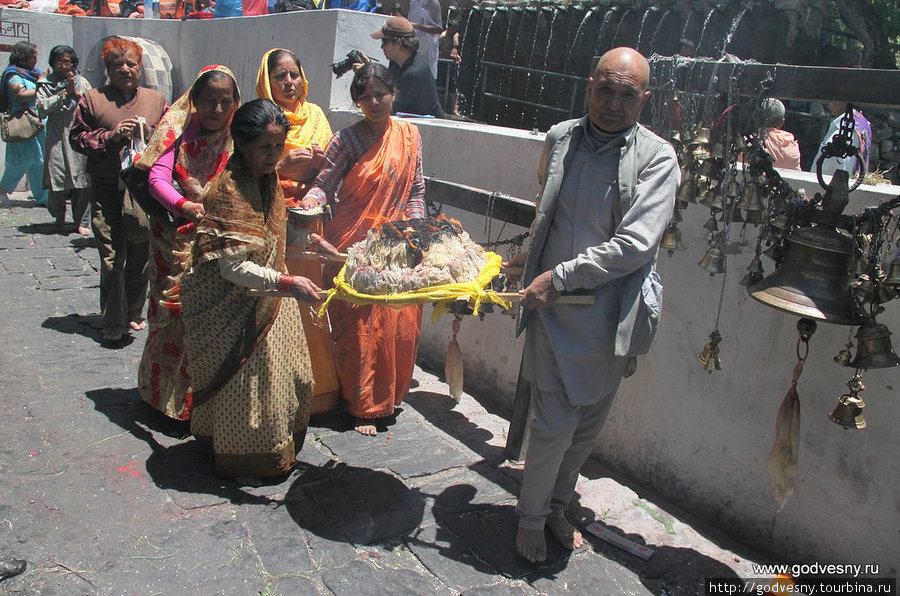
[[637, 235]]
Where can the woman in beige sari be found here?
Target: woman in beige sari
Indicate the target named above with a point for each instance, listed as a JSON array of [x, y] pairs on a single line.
[[247, 356]]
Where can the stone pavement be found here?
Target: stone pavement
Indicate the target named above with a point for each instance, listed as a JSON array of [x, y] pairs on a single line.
[[101, 494]]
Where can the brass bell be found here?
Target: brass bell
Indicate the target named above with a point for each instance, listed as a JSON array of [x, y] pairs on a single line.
[[702, 137], [740, 144], [712, 198], [755, 217], [717, 151], [844, 356], [675, 137], [848, 412], [754, 273], [733, 191], [671, 240], [711, 225], [713, 261], [687, 191], [814, 278], [893, 275], [710, 168], [699, 152], [873, 347], [750, 198]]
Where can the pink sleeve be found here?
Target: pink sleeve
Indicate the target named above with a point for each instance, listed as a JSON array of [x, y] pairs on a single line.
[[160, 182]]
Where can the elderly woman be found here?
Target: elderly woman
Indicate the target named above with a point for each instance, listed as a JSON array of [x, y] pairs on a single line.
[[105, 121], [377, 163], [282, 80], [19, 89], [65, 173], [247, 356], [189, 148]]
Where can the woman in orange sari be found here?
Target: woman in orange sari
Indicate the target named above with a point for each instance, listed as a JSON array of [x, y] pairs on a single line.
[[190, 145], [281, 79], [377, 163]]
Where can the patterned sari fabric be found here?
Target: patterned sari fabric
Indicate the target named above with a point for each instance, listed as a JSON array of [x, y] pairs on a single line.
[[375, 346], [247, 355], [162, 375], [307, 126]]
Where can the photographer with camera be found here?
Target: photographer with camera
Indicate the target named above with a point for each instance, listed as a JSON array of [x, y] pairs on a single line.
[[416, 89]]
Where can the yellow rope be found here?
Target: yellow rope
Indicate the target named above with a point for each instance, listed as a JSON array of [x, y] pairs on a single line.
[[441, 295]]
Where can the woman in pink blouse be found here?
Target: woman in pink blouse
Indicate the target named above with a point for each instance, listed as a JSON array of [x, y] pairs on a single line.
[[190, 146]]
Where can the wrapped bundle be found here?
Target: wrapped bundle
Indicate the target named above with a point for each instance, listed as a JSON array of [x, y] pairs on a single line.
[[409, 255]]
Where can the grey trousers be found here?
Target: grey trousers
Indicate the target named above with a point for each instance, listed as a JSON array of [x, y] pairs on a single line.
[[123, 240], [561, 438], [80, 198]]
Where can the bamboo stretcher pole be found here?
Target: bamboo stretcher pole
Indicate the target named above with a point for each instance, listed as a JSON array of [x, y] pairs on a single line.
[[342, 257]]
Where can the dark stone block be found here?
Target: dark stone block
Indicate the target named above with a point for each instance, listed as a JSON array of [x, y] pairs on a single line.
[[586, 573], [363, 579], [445, 555], [281, 545], [500, 589]]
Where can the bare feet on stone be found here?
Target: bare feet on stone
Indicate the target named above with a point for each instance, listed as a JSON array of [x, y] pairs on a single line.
[[532, 545], [564, 532], [138, 324], [365, 427], [84, 231]]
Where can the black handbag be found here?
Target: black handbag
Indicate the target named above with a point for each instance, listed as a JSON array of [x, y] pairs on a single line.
[[137, 183]]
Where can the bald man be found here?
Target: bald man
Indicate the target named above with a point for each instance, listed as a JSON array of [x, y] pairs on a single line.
[[607, 191]]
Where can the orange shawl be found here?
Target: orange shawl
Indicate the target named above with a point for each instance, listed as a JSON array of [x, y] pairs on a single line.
[[377, 187]]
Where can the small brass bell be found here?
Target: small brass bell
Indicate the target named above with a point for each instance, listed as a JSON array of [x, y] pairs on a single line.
[[671, 240], [717, 151], [750, 198], [702, 137], [699, 152], [688, 190], [709, 356], [675, 138], [712, 199], [754, 273], [733, 191], [711, 225], [848, 412], [713, 261], [740, 144], [844, 357], [893, 275], [874, 349]]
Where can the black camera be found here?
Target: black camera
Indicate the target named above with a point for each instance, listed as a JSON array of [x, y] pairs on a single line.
[[344, 66]]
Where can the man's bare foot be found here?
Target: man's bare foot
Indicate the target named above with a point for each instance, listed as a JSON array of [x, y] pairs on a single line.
[[84, 231], [564, 532], [365, 427], [138, 325], [532, 545]]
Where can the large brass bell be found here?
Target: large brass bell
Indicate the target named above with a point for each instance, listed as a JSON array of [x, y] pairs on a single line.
[[712, 224], [733, 191], [848, 412], [717, 151], [814, 278], [671, 240], [713, 261], [688, 190], [873, 347]]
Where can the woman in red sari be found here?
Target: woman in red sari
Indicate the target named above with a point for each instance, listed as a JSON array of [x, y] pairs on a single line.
[[191, 144], [377, 163]]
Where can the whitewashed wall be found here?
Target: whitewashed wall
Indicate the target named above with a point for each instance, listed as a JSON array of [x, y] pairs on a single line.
[[700, 439]]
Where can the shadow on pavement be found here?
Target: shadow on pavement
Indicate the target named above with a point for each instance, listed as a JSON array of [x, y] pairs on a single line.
[[361, 506], [87, 326], [44, 229], [185, 467], [339, 420], [438, 409]]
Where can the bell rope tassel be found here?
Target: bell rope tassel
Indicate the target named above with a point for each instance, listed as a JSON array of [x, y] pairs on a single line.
[[453, 365], [783, 458]]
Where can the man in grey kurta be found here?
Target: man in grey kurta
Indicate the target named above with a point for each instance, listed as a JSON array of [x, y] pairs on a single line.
[[608, 190]]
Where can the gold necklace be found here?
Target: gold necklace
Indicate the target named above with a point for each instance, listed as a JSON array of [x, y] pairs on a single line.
[[368, 132]]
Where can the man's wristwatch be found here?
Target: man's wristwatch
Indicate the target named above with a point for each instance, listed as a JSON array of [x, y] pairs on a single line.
[[557, 282]]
